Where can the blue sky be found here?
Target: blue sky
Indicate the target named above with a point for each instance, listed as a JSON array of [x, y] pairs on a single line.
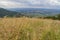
[[30, 3]]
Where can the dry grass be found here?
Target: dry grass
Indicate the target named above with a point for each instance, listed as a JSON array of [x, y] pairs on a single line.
[[29, 29]]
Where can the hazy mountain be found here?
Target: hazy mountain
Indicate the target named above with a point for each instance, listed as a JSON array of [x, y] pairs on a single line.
[[31, 12], [36, 11]]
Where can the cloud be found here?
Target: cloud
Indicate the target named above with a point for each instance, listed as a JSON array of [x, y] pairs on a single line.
[[10, 4], [30, 3]]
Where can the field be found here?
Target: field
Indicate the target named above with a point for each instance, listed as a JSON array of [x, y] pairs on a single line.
[[29, 29]]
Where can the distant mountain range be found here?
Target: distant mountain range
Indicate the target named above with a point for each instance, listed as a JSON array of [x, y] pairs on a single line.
[[37, 11], [33, 12]]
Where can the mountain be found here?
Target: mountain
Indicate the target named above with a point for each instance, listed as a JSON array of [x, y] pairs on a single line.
[[37, 11], [4, 12], [29, 12]]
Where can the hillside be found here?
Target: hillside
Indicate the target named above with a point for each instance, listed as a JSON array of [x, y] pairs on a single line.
[[29, 29], [4, 12]]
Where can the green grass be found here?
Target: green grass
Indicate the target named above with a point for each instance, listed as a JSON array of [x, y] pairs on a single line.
[[29, 29]]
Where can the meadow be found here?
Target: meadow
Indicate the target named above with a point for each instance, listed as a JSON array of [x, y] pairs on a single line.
[[29, 29]]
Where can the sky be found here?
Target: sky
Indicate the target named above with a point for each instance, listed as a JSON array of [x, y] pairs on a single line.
[[30, 3]]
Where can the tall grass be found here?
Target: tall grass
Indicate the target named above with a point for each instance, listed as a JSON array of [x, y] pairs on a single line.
[[29, 29]]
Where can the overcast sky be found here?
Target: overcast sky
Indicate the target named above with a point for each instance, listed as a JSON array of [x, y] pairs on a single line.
[[30, 3]]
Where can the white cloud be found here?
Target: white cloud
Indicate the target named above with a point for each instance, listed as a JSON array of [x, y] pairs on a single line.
[[30, 3], [11, 4], [54, 2], [34, 2]]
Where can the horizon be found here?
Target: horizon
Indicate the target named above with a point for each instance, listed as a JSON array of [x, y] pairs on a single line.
[[30, 7]]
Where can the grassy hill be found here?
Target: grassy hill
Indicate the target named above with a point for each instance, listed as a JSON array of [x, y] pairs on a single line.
[[29, 29]]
